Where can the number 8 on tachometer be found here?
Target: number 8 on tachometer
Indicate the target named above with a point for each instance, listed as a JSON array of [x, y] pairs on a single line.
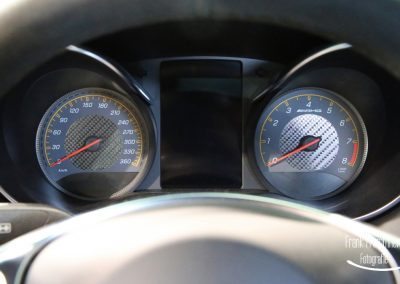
[[310, 143]]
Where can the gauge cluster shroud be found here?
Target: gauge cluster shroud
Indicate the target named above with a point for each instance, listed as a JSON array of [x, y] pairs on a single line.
[[285, 147]]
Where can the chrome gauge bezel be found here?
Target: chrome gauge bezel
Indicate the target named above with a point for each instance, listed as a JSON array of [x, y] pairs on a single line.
[[343, 102], [142, 114]]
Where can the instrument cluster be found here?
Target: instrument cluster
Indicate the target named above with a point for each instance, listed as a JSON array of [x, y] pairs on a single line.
[[85, 130]]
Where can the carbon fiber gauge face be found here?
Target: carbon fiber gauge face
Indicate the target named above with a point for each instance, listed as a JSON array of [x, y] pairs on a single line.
[[93, 143], [310, 143]]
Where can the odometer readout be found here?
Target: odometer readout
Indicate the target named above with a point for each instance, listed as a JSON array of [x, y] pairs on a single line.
[[90, 143], [310, 143]]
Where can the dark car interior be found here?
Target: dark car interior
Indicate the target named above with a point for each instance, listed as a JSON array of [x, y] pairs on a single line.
[[199, 141]]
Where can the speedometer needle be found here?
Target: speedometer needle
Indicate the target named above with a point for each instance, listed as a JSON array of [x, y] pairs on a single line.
[[291, 153], [76, 152]]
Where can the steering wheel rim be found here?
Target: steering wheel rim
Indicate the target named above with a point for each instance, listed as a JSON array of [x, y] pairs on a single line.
[[252, 231]]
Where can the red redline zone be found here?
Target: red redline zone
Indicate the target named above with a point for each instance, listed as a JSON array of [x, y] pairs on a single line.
[[354, 155]]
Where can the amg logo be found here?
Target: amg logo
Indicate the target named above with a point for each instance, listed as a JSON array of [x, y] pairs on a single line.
[[307, 110]]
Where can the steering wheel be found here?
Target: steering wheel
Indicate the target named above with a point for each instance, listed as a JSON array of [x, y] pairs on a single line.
[[196, 238]]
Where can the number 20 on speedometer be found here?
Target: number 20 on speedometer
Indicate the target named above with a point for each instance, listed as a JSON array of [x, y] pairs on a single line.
[[310, 143]]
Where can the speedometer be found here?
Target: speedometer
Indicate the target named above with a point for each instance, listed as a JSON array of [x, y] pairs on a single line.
[[310, 143], [94, 143]]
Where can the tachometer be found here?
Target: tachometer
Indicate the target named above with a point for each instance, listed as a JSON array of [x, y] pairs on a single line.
[[93, 143], [310, 143]]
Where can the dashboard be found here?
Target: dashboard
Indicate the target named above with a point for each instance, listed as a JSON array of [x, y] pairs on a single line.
[[108, 121]]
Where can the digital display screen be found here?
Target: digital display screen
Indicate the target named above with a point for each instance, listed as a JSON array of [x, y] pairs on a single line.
[[201, 124]]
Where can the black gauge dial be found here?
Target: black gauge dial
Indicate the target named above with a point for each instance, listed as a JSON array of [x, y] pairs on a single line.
[[310, 143], [93, 143]]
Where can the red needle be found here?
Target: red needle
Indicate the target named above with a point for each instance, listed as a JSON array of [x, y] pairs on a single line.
[[291, 153], [74, 153]]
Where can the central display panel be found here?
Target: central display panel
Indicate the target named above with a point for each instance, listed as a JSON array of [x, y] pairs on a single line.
[[201, 124]]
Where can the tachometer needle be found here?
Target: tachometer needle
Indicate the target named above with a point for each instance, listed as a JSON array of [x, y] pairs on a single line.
[[76, 152], [291, 153]]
